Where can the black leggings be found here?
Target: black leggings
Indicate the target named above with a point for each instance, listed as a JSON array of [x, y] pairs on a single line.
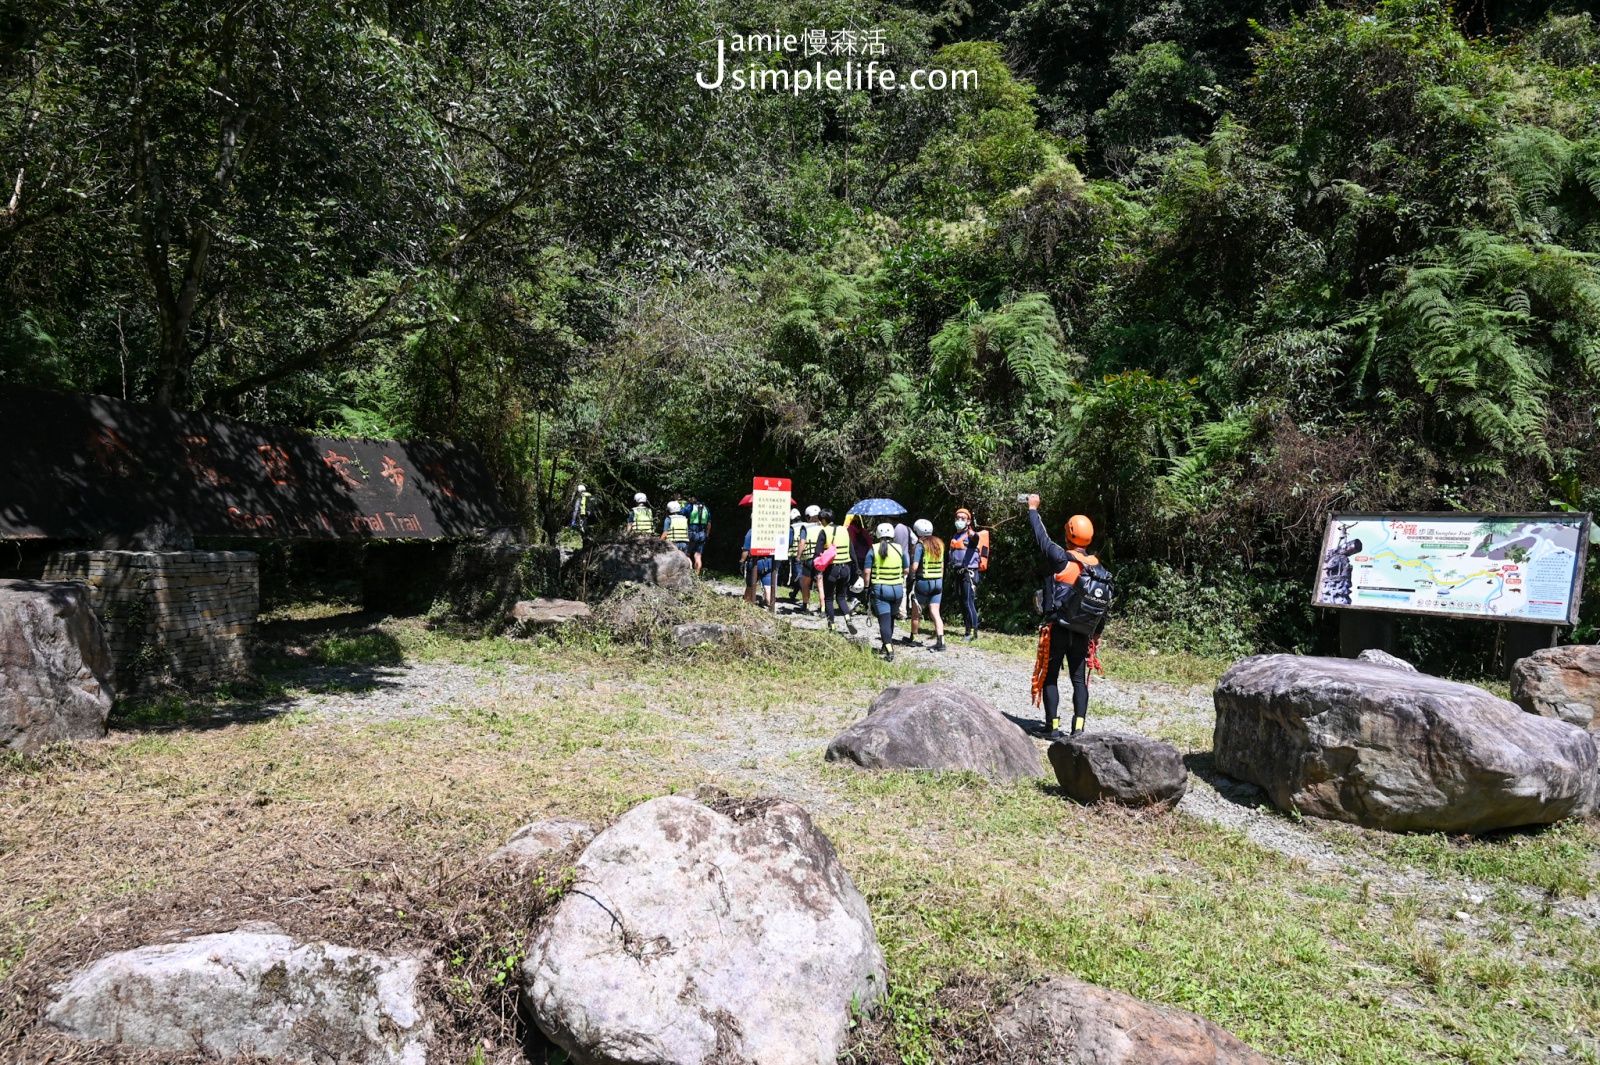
[[1074, 647], [836, 586], [968, 581]]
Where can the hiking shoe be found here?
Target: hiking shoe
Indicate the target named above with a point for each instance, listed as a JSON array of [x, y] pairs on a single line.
[[909, 641], [969, 637], [888, 653], [850, 625], [938, 646]]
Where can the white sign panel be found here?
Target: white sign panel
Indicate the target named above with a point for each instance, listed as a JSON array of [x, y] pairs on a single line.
[[1504, 567], [769, 513]]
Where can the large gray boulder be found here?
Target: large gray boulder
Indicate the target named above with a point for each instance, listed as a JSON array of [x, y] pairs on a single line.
[[636, 560], [253, 992], [1381, 747], [55, 665], [1064, 1021], [698, 935], [937, 726], [1559, 682], [1121, 768]]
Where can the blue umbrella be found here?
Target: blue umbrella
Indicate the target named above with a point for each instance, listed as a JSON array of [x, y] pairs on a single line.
[[873, 508]]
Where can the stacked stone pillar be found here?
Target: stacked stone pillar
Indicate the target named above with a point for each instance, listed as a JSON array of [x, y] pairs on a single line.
[[171, 617]]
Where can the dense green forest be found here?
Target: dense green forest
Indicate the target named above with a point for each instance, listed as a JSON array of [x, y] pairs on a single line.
[[1204, 271]]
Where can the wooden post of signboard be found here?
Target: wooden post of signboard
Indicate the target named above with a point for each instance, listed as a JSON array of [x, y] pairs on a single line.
[[1365, 630], [1522, 639]]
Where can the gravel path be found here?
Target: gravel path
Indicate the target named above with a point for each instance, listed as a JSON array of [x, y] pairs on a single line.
[[1140, 708], [1148, 709]]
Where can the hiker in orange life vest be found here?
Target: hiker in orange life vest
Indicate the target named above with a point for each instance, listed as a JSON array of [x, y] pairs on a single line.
[[1070, 633], [969, 557]]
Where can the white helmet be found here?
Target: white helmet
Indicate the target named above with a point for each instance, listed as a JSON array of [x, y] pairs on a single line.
[[639, 497], [885, 531], [922, 527], [793, 513], [813, 511], [581, 489], [673, 507]]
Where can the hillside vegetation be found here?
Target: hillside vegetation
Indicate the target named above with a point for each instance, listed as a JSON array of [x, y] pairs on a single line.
[[1203, 272]]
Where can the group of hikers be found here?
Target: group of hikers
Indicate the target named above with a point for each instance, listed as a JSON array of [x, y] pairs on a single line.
[[686, 526], [897, 571], [888, 569]]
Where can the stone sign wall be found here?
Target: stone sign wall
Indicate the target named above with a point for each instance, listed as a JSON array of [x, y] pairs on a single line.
[[170, 616], [90, 467]]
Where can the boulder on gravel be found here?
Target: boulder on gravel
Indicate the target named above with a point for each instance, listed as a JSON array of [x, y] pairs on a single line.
[[636, 560], [1384, 658], [531, 614], [1559, 682], [1121, 768], [533, 841], [699, 935], [1353, 741], [1064, 1021], [253, 992], [937, 726], [55, 665]]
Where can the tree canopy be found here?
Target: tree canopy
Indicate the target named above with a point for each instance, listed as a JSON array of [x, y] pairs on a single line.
[[1203, 272]]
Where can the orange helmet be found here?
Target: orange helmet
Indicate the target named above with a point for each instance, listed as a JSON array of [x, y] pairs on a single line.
[[1080, 531]]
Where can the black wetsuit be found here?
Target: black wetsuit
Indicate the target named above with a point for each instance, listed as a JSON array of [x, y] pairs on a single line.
[[1065, 645]]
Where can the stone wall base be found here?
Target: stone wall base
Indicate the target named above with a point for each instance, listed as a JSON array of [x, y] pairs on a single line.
[[171, 617]]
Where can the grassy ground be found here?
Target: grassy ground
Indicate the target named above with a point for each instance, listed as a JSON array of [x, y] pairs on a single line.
[[267, 803]]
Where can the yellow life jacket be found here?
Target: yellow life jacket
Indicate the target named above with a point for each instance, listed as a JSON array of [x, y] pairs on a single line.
[[839, 537], [888, 564], [677, 529], [932, 568], [643, 520]]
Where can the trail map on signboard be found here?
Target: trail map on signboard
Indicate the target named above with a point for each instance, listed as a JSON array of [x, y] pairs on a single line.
[[1507, 567]]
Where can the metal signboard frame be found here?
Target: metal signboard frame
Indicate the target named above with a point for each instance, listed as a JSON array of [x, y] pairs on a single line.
[[1583, 519]]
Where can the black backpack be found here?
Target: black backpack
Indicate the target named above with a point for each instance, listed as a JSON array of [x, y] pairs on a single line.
[[1086, 608]]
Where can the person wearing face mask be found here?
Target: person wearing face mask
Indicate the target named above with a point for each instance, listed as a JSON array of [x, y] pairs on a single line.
[[969, 557]]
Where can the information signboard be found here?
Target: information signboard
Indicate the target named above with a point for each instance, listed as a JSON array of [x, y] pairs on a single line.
[[1502, 567], [769, 514]]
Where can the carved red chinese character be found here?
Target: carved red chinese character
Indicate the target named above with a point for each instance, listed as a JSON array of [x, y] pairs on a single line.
[[341, 464], [276, 461], [394, 474]]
